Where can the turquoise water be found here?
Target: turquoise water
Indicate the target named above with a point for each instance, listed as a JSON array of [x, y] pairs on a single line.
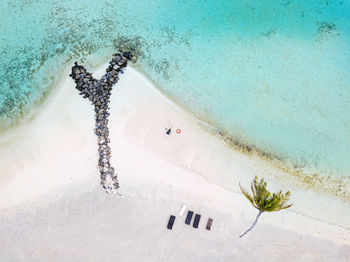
[[273, 74]]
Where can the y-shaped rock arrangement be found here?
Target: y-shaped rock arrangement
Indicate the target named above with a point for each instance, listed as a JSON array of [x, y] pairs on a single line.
[[99, 93]]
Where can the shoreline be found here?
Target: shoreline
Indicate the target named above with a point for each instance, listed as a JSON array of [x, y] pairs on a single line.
[[307, 179], [281, 177], [321, 183], [38, 177]]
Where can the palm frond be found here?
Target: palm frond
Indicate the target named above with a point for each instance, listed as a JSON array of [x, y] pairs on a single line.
[[262, 198], [248, 196]]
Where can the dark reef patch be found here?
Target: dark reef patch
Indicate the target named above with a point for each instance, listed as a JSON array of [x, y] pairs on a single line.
[[326, 30], [269, 33], [143, 48]]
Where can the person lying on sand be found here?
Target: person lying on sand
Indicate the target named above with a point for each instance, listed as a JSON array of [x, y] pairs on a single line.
[[168, 131]]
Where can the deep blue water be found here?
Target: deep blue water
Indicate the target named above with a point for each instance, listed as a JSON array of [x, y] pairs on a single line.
[[272, 74]]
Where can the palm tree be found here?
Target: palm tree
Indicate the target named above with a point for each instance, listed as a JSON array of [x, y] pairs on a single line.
[[263, 201]]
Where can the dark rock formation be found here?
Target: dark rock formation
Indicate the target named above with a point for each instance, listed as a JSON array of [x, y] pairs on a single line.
[[99, 92]]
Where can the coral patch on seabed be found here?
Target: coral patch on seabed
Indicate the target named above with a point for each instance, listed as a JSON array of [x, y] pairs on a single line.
[[99, 93]]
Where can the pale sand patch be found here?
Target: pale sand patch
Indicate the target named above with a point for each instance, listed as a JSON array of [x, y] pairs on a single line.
[[53, 208]]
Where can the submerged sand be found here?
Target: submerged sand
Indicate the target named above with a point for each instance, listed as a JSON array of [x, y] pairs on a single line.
[[53, 209]]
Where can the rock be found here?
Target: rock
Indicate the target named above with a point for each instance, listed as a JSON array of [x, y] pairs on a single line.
[[98, 92], [127, 55]]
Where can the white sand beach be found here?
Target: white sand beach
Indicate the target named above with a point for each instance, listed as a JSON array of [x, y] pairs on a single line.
[[52, 207]]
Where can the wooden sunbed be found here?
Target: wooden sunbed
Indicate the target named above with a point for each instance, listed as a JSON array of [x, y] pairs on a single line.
[[196, 220], [171, 222], [189, 217], [210, 222]]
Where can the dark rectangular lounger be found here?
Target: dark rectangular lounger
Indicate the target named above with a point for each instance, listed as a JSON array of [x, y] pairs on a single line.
[[189, 217], [171, 222], [210, 222], [196, 220]]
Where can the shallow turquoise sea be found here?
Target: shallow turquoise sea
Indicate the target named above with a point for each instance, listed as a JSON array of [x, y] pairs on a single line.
[[271, 74]]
